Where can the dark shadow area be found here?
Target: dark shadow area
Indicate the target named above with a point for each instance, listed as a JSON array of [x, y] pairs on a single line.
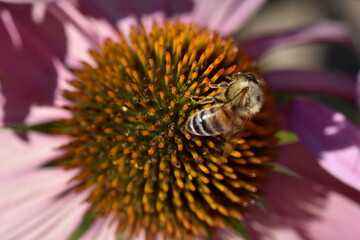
[[342, 59]]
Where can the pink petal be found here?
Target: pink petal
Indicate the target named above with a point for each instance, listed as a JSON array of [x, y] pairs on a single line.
[[32, 206], [328, 32], [301, 208], [230, 234], [39, 149], [30, 192], [338, 212], [103, 228], [330, 137], [31, 189], [312, 81], [125, 24], [63, 214], [43, 114], [225, 16], [148, 20], [95, 228], [95, 31], [67, 225], [302, 161]]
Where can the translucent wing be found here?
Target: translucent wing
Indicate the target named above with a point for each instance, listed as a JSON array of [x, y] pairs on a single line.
[[233, 137]]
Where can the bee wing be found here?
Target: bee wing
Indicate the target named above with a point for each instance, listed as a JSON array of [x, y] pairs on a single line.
[[232, 137]]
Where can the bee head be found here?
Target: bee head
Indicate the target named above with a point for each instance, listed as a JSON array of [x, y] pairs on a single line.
[[251, 77], [253, 99]]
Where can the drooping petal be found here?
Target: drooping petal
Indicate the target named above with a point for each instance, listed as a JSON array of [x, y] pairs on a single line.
[[312, 81], [102, 228], [66, 224], [37, 151], [327, 32], [31, 187], [32, 206], [94, 230], [330, 137], [301, 208], [42, 217], [225, 16]]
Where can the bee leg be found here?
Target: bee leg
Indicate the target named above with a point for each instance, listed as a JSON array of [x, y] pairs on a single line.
[[201, 100], [219, 85], [219, 99], [234, 75]]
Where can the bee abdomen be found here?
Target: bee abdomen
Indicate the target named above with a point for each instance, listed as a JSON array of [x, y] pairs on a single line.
[[209, 121]]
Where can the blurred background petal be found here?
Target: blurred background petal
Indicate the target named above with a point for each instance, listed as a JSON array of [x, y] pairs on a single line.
[[332, 139], [312, 81], [312, 206], [228, 16], [327, 32]]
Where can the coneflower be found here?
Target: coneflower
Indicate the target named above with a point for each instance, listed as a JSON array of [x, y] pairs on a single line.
[[127, 164], [128, 139]]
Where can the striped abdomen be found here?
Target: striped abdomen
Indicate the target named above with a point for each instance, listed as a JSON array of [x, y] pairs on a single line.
[[210, 121]]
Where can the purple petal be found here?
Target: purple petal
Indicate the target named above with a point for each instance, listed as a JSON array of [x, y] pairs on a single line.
[[328, 32], [115, 10], [40, 43], [357, 91], [26, 1], [304, 207], [330, 137], [27, 50], [312, 81], [225, 16]]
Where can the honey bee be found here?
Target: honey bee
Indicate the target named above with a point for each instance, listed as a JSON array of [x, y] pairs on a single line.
[[237, 102]]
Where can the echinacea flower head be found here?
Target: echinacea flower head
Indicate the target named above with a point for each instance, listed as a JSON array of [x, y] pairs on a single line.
[[128, 140], [118, 160]]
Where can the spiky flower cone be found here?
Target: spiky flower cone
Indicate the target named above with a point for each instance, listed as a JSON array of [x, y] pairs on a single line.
[[128, 139]]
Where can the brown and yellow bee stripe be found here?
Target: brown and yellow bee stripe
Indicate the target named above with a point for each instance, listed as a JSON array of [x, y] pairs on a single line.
[[210, 121]]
